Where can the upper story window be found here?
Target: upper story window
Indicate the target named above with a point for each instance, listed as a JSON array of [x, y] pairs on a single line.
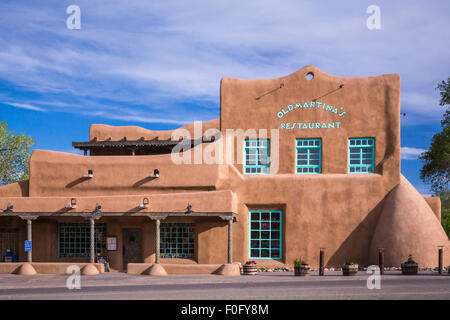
[[361, 155], [256, 157], [308, 156]]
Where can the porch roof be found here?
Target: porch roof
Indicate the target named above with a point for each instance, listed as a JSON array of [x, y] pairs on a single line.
[[151, 215]]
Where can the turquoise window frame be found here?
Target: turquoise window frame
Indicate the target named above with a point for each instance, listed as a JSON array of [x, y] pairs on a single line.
[[271, 231], [177, 240], [253, 148], [361, 151], [74, 239], [308, 148]]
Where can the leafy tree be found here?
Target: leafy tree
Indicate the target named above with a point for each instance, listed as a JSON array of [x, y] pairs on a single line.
[[436, 169], [445, 205], [437, 159], [15, 152]]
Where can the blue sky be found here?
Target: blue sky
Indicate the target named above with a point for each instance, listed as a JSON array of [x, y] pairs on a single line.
[[158, 64]]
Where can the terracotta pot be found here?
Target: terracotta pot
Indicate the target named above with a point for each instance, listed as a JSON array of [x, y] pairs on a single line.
[[349, 269], [410, 268], [249, 269], [301, 270]]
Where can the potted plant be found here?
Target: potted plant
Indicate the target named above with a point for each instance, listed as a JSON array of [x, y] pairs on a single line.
[[250, 267], [410, 266], [301, 267], [350, 268]]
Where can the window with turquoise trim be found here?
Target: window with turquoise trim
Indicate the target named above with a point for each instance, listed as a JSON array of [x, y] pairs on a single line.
[[256, 157], [265, 234], [177, 240], [308, 156], [361, 155], [74, 239]]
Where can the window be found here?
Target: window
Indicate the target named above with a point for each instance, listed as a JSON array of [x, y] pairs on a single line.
[[8, 240], [74, 239], [308, 156], [177, 240], [265, 234], [361, 155], [256, 157]]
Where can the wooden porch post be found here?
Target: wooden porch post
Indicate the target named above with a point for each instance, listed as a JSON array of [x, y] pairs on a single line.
[[230, 240], [157, 241]]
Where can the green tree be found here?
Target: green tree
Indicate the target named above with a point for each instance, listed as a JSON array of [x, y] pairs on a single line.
[[437, 160], [15, 152], [436, 168], [445, 210]]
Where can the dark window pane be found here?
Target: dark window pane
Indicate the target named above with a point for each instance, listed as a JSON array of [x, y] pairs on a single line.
[[265, 253], [275, 216], [265, 216], [255, 234], [276, 254], [275, 234], [254, 253], [265, 234]]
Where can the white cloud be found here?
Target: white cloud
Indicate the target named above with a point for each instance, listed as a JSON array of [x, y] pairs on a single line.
[[25, 106], [408, 153], [158, 54]]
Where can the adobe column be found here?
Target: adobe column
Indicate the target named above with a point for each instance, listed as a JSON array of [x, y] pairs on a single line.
[[230, 240], [157, 242], [29, 220], [92, 240]]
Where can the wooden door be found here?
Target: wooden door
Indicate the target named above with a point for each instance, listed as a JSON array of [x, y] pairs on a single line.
[[132, 246]]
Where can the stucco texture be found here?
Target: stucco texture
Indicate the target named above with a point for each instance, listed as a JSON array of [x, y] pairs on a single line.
[[407, 225], [350, 215]]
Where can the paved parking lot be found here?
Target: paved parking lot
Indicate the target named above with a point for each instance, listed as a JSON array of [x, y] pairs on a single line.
[[276, 285]]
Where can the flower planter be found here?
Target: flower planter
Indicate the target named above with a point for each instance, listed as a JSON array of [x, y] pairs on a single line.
[[301, 270], [249, 269], [410, 268], [349, 269]]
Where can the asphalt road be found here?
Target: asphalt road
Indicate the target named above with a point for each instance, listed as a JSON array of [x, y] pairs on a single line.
[[277, 285]]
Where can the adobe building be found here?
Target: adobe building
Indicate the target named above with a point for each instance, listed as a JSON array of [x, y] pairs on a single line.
[[322, 172]]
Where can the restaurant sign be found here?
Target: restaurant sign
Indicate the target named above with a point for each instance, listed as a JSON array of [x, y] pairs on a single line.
[[315, 105]]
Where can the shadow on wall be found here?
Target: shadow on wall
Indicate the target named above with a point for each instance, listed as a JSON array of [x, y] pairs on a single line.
[[75, 182], [356, 246]]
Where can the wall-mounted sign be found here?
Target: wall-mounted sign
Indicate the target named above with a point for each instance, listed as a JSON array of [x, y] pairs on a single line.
[[315, 105], [111, 243], [28, 245], [310, 125]]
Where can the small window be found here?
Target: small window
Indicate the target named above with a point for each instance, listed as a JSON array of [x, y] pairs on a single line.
[[265, 235], [308, 156], [361, 155], [256, 157]]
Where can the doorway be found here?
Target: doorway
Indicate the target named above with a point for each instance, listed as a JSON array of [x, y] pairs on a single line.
[[132, 247]]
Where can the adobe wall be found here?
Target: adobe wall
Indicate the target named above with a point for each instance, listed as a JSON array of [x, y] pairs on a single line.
[[435, 205], [371, 106], [334, 210]]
